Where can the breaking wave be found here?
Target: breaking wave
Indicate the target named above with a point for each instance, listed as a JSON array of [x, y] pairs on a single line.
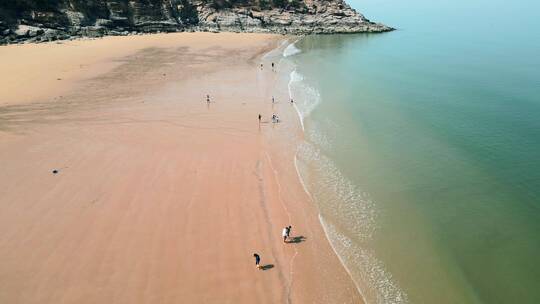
[[306, 98], [291, 50]]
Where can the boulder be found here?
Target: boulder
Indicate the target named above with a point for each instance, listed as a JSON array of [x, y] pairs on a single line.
[[103, 23], [27, 31]]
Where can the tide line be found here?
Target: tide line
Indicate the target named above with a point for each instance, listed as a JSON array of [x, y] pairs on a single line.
[[284, 206]]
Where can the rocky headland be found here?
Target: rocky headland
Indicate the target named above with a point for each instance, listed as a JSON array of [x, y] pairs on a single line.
[[49, 20]]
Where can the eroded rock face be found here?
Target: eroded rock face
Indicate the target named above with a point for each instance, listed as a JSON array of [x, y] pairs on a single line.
[[36, 20]]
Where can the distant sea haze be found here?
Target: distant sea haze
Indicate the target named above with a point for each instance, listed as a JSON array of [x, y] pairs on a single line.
[[422, 149]]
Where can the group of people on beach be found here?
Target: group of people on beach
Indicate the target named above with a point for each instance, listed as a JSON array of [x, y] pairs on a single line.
[[271, 65], [275, 117], [286, 234]]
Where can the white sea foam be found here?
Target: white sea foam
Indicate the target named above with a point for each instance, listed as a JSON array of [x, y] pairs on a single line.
[[322, 139], [306, 98], [338, 198], [274, 52], [381, 288], [291, 50]]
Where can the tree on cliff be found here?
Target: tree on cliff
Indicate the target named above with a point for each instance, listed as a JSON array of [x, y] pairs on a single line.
[[188, 12]]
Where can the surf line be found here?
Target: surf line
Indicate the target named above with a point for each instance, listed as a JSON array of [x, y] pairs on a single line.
[[289, 85], [293, 48], [284, 206]]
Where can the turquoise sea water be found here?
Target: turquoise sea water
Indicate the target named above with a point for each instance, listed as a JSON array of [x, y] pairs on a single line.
[[423, 149]]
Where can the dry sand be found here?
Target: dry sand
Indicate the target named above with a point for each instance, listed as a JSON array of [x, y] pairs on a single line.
[[159, 196]]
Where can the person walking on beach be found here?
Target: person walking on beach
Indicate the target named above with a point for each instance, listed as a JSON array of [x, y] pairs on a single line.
[[207, 98], [289, 231], [273, 100], [257, 261], [261, 66], [260, 118], [285, 234]]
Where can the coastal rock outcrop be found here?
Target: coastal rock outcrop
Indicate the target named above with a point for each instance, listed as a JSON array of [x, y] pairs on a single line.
[[38, 20]]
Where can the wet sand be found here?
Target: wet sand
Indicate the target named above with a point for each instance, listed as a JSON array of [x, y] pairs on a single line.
[[159, 197]]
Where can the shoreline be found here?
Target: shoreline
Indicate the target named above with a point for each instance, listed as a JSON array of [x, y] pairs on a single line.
[[346, 214], [154, 141], [300, 178], [279, 54]]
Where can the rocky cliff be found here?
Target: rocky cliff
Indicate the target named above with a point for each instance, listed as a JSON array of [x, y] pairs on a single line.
[[46, 20]]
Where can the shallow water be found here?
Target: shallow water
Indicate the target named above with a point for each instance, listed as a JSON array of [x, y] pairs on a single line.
[[423, 149]]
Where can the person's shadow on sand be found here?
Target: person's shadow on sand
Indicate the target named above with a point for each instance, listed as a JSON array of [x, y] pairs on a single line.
[[296, 239], [267, 266]]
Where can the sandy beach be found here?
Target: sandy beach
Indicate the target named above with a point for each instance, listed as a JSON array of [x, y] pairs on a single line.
[[159, 196]]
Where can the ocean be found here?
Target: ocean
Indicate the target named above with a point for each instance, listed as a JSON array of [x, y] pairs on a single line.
[[422, 149]]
